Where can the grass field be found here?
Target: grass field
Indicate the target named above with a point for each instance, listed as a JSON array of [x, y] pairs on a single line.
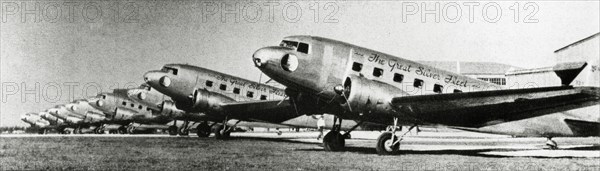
[[192, 153]]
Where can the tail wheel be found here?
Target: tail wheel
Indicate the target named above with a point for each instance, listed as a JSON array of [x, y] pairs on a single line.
[[334, 141], [203, 130], [172, 130], [384, 144]]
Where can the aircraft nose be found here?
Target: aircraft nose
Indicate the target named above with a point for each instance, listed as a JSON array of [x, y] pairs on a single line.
[[155, 78], [96, 103], [262, 56]]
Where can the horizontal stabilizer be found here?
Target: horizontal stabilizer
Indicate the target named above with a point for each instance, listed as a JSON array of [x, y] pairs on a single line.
[[584, 128], [568, 71]]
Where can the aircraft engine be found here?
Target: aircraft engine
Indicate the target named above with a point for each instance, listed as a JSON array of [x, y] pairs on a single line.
[[123, 114], [93, 117], [361, 95], [203, 100], [169, 109]]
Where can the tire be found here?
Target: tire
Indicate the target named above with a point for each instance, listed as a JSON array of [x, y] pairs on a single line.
[[172, 130], [203, 130], [122, 130], [334, 141], [220, 133], [382, 148]]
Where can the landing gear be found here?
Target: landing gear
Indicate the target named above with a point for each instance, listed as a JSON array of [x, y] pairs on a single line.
[[220, 132], [333, 140], [99, 130], [203, 129], [224, 131], [173, 130], [551, 144], [131, 129], [385, 144], [42, 131], [184, 131], [388, 143], [122, 130]]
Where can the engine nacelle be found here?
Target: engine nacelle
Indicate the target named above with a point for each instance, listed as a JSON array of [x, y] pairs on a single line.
[[206, 101], [123, 114], [368, 96], [93, 117], [169, 110]]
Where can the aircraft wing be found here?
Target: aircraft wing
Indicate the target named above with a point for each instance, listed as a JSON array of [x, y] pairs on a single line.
[[477, 109], [273, 111]]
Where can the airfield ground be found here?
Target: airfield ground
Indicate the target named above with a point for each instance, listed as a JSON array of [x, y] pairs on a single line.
[[291, 151]]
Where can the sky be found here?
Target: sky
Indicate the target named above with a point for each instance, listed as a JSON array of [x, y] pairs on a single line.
[[54, 52]]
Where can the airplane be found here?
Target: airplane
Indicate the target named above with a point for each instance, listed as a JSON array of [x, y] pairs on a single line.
[[130, 115], [225, 97], [36, 121], [361, 84]]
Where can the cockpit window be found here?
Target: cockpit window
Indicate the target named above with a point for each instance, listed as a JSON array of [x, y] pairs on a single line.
[[290, 44], [300, 47], [303, 47], [169, 70]]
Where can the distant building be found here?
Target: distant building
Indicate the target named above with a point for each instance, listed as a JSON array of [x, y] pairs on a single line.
[[487, 71]]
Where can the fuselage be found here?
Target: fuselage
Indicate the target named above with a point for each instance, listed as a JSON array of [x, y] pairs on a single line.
[[318, 66]]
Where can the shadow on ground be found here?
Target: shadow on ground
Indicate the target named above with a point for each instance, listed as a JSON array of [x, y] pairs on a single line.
[[462, 152]]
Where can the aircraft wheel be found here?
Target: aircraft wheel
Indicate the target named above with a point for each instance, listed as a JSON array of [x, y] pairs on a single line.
[[122, 130], [220, 133], [42, 131], [99, 130], [131, 130], [172, 130], [203, 130], [334, 141], [384, 144], [183, 131]]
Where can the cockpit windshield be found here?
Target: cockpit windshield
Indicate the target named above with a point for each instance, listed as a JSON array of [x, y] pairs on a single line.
[[169, 70], [298, 46], [290, 44]]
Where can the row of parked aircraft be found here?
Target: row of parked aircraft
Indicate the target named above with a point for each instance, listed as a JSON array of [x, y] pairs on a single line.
[[356, 86]]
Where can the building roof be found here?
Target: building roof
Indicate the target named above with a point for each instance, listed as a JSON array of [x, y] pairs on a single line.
[[577, 42], [476, 68]]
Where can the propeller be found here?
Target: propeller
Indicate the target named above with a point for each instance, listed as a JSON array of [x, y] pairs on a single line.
[[343, 91]]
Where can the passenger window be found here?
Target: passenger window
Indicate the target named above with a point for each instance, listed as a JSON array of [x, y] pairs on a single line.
[[418, 83], [303, 47], [398, 77], [357, 66], [223, 87], [438, 88], [457, 91], [209, 83], [103, 96], [263, 97], [124, 103], [132, 105], [377, 72], [236, 90], [250, 94], [140, 107]]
